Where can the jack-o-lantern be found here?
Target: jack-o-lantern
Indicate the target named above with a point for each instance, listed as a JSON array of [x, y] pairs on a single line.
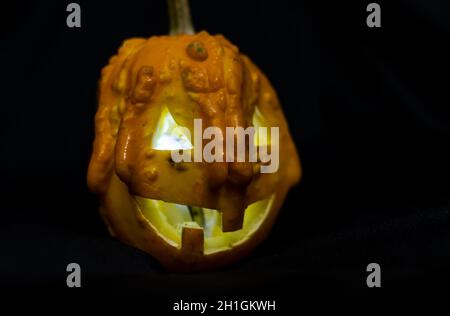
[[189, 215]]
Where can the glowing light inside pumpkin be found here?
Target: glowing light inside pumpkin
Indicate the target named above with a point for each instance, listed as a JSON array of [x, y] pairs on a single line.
[[170, 218], [169, 135]]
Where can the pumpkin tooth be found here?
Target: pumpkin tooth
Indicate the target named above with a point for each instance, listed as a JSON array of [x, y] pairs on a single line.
[[192, 240], [232, 219]]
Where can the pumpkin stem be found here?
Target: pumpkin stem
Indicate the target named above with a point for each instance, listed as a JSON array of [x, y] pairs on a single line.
[[180, 17]]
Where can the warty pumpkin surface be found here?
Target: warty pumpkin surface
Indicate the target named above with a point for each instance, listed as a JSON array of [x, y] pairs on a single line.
[[190, 216]]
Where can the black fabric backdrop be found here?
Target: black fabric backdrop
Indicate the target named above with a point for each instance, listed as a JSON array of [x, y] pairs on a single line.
[[368, 109]]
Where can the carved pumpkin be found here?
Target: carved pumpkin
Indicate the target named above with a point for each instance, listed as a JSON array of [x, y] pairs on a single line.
[[190, 216]]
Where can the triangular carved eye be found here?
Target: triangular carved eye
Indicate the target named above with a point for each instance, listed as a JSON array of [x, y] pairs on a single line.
[[262, 135], [169, 135]]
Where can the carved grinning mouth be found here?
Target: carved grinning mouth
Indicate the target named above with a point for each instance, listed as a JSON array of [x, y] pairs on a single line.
[[170, 219]]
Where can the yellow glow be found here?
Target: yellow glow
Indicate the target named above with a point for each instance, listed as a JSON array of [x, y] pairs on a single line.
[[169, 135], [169, 218]]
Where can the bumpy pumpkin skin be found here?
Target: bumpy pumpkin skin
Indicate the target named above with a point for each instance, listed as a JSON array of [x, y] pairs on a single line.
[[215, 83]]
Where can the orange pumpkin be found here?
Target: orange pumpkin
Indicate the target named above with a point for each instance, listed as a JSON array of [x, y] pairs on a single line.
[[190, 216]]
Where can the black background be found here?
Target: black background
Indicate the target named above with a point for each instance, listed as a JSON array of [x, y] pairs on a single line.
[[368, 109]]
